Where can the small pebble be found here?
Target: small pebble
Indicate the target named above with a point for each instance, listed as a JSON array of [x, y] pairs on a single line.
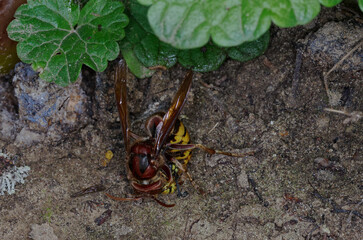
[[322, 161]]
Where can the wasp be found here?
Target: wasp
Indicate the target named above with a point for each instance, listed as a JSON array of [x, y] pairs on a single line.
[[157, 164]]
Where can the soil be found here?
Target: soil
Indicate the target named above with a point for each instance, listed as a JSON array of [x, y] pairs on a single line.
[[303, 182]]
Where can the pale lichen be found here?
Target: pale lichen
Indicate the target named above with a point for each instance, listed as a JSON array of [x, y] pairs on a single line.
[[10, 176]]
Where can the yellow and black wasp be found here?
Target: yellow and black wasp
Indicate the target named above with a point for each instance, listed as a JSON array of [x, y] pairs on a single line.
[[157, 164]]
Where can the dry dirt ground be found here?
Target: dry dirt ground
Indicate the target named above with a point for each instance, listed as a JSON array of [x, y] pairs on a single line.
[[304, 181]]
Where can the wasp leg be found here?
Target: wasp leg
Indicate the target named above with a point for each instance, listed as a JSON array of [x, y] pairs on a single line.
[[180, 194], [182, 168], [92, 189], [138, 198], [206, 149], [136, 137], [122, 199], [162, 203]]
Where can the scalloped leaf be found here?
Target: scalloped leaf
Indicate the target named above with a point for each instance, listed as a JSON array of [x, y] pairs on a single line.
[[250, 50], [145, 50], [56, 37], [135, 66], [329, 3], [152, 52], [190, 24], [139, 12], [148, 50], [205, 59], [146, 2]]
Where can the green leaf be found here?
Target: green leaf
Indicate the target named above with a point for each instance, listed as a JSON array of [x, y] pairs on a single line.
[[142, 49], [56, 37], [204, 59], [139, 12], [146, 2], [151, 52], [249, 50], [360, 3], [179, 23], [189, 24], [133, 63], [329, 3], [147, 49]]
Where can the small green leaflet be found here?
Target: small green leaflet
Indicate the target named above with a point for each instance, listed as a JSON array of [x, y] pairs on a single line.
[[152, 52], [329, 3], [141, 48], [147, 47], [56, 37], [133, 62], [249, 50], [189, 24], [139, 12], [205, 59]]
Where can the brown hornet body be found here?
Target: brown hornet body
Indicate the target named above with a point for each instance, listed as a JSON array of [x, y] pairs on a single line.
[[157, 163]]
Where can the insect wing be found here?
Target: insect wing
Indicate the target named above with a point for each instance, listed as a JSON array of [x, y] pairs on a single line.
[[121, 100], [173, 113]]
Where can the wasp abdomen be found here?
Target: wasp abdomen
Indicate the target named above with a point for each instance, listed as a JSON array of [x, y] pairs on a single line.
[[179, 135]]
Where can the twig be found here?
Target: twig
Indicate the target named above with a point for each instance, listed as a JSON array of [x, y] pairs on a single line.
[[185, 228], [158, 67], [337, 111], [213, 127], [257, 193], [354, 116], [353, 210], [315, 226], [298, 62], [336, 207], [345, 57], [337, 65], [190, 228], [210, 86]]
